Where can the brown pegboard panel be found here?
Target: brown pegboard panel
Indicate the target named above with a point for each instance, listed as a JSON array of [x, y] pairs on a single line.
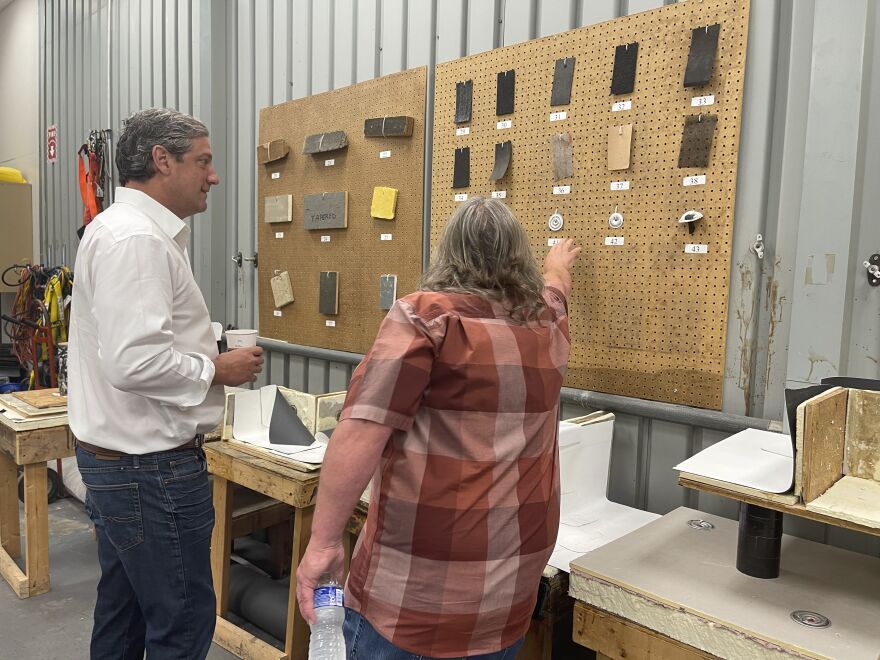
[[356, 253], [647, 319]]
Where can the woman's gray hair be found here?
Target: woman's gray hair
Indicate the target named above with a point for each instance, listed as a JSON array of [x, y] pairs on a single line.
[[144, 130], [484, 250]]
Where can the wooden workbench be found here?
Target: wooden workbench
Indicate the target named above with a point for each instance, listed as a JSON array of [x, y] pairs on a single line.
[[668, 590], [29, 449], [231, 464]]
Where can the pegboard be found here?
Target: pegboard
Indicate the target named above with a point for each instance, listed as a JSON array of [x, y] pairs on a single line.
[[648, 320], [357, 253]]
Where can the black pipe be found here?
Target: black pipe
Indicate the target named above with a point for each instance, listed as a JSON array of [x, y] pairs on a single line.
[[760, 541]]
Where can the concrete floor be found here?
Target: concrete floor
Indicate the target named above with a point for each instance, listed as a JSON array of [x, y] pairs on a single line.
[[58, 624]]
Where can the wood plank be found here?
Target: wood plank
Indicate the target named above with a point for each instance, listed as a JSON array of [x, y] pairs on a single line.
[[43, 445], [863, 435], [296, 644], [617, 638], [244, 645], [259, 516], [10, 532], [823, 441], [781, 498], [793, 509], [276, 481], [36, 528], [13, 575], [221, 542], [46, 398]]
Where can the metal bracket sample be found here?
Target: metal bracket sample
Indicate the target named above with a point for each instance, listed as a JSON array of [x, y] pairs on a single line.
[[873, 267]]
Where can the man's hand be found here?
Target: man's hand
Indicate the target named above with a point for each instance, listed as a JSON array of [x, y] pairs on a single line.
[[240, 365], [559, 262], [315, 562]]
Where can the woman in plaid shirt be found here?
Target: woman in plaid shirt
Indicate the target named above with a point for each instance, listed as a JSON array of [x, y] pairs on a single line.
[[453, 413]]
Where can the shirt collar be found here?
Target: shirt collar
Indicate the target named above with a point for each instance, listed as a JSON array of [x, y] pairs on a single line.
[[169, 223]]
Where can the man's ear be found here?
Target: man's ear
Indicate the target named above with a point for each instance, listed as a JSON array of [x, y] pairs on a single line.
[[161, 159]]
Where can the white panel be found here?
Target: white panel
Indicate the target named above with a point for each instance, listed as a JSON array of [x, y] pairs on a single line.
[[555, 16], [145, 72], [596, 11], [344, 64], [184, 41], [322, 46], [367, 44], [158, 47], [302, 48], [392, 56], [281, 51], [450, 30], [519, 21], [263, 55], [420, 37], [636, 6], [172, 52], [480, 27], [245, 140]]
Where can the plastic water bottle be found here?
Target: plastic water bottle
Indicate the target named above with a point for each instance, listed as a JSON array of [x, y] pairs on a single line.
[[327, 642]]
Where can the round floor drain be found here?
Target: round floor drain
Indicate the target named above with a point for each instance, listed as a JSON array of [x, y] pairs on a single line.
[[811, 619], [700, 524]]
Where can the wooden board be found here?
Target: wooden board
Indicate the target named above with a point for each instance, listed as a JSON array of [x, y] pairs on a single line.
[[48, 398], [781, 498], [357, 253], [820, 442], [853, 499], [863, 435], [690, 590], [647, 319], [27, 410]]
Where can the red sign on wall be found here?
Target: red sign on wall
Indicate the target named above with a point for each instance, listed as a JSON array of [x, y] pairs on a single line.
[[52, 144]]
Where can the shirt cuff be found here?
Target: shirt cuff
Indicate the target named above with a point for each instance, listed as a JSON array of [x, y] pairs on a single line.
[[202, 382]]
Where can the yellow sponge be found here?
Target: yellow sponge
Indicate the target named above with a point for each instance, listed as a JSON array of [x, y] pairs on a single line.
[[384, 203]]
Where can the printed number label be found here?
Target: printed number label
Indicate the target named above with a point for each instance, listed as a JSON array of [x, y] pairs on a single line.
[[330, 324], [561, 190], [499, 194], [614, 240], [277, 312], [460, 197], [553, 241], [385, 154], [702, 100], [694, 180], [279, 234], [621, 105], [276, 175], [384, 237], [558, 116], [620, 185], [330, 162], [501, 125], [325, 239], [695, 248], [464, 130]]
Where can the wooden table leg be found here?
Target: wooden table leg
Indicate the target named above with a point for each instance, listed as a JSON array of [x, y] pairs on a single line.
[[36, 528], [221, 542], [296, 645], [10, 532]]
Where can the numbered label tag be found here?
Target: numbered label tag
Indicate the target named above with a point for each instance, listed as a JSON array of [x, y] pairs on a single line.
[[702, 100], [330, 323], [501, 125], [620, 185], [619, 106], [330, 162], [464, 130], [460, 197], [614, 240], [279, 234], [276, 312], [553, 241], [499, 194], [699, 180], [696, 248], [325, 239], [384, 237], [558, 116], [385, 154], [276, 175], [561, 190]]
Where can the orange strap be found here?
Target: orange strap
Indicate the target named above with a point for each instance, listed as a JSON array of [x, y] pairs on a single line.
[[88, 185]]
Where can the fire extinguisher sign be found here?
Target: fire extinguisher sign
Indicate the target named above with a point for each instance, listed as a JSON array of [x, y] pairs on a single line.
[[52, 144]]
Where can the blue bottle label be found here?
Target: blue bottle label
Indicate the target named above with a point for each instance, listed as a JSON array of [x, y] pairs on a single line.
[[328, 596]]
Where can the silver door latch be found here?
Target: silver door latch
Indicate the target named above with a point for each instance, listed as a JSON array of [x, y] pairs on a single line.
[[758, 246]]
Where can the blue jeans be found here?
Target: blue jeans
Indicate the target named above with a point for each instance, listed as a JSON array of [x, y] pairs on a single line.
[[153, 517], [362, 642]]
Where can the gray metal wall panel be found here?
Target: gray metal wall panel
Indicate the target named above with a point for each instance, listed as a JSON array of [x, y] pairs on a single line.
[[481, 21], [556, 16], [322, 52], [344, 62], [394, 32], [519, 22], [451, 30], [369, 37], [420, 32], [596, 11]]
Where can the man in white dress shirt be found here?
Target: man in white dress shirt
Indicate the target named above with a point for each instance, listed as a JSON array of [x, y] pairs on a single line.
[[145, 381]]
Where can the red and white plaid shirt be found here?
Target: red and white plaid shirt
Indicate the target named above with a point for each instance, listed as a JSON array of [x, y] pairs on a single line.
[[464, 509]]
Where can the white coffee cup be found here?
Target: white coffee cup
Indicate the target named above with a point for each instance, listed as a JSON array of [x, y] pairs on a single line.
[[241, 338]]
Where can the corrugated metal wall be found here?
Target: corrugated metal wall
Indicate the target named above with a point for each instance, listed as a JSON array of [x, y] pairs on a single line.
[[810, 150]]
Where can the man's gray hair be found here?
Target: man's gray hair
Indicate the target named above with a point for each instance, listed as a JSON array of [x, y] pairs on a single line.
[[144, 130]]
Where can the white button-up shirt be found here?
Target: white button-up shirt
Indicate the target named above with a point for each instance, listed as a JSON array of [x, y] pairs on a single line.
[[141, 347]]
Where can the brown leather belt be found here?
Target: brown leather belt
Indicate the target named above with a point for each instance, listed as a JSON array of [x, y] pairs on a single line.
[[113, 454]]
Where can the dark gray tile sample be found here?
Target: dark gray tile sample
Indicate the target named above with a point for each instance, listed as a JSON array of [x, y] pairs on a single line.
[[701, 57], [328, 295], [387, 291], [398, 126], [506, 93], [563, 76], [321, 142], [623, 79], [326, 210], [503, 154], [461, 174], [464, 95], [696, 141]]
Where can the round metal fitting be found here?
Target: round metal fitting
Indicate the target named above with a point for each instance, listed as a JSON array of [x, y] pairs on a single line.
[[555, 222], [811, 619], [697, 523], [615, 220]]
